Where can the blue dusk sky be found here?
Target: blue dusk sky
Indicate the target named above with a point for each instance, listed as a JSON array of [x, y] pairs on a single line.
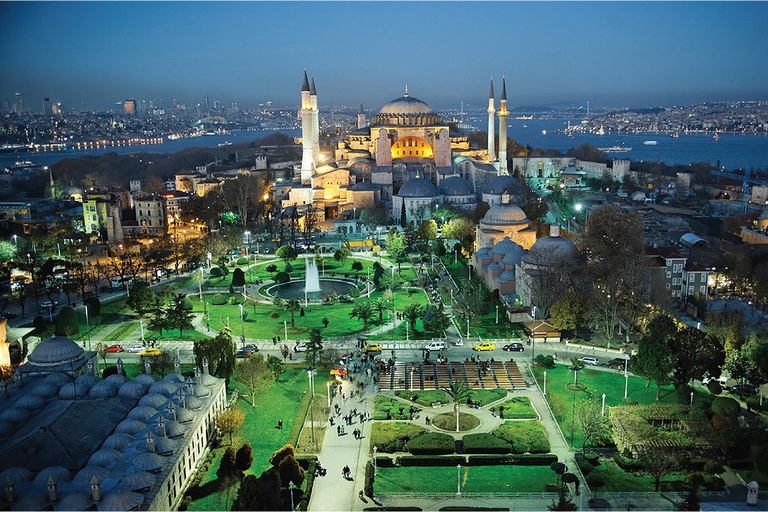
[[92, 55]]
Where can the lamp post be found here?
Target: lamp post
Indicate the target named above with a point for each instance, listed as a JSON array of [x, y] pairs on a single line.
[[691, 397], [602, 412], [545, 382], [533, 340], [208, 314], [285, 325], [242, 325], [467, 327], [497, 313], [290, 488], [141, 325], [16, 240], [626, 376], [310, 375], [328, 388], [458, 479], [407, 331], [88, 327], [200, 284], [375, 468]]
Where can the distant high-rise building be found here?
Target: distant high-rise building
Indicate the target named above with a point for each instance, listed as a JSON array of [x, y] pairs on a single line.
[[129, 106], [6, 106], [218, 105], [269, 104], [18, 106], [205, 103], [56, 109], [47, 107]]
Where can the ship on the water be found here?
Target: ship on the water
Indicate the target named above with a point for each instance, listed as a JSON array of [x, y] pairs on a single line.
[[650, 142], [616, 149]]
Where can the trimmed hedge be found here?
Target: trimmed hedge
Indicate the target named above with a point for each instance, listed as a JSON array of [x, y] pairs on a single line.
[[429, 461], [282, 277], [485, 443], [218, 300], [518, 408], [369, 477], [385, 408], [625, 464], [298, 420], [518, 460], [242, 261], [216, 272], [392, 437], [431, 443], [385, 462], [524, 436]]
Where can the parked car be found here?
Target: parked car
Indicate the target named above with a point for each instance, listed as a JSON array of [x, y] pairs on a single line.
[[105, 289], [115, 348], [616, 363], [486, 345], [151, 352], [514, 347], [435, 345], [245, 352], [373, 347], [458, 343], [135, 348], [300, 347], [588, 360], [744, 389], [723, 380], [9, 315], [48, 304]]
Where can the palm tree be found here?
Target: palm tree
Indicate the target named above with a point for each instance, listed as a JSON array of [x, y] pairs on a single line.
[[363, 311], [292, 305], [459, 392], [412, 312], [380, 305]]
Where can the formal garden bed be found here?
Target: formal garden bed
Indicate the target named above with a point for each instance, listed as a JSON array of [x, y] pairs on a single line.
[[386, 408], [427, 398], [518, 408], [474, 479]]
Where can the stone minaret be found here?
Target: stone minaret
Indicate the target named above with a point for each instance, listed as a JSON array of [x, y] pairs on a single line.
[[53, 489], [96, 487], [491, 127], [361, 118], [315, 124], [503, 115], [10, 489], [307, 156]]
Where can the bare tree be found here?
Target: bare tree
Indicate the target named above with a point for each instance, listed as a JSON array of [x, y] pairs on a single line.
[[659, 462], [593, 424], [254, 374]]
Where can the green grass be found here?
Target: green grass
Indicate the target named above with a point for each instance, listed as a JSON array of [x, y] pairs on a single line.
[[475, 479], [428, 397], [122, 331], [618, 480], [596, 383], [517, 408]]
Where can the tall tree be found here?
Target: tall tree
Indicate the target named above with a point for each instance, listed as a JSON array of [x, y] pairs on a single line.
[[654, 359], [363, 311], [412, 312], [458, 392], [659, 462], [141, 298], [396, 246], [177, 314], [262, 493], [229, 421], [286, 253], [292, 305], [594, 426], [695, 354], [315, 345], [220, 352], [254, 374]]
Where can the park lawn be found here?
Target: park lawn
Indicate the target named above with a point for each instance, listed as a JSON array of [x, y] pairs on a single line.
[[618, 480], [122, 332], [598, 382], [279, 402], [519, 408], [428, 397], [474, 479]]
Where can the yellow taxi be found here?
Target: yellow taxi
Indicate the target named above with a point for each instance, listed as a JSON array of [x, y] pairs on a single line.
[[373, 347], [484, 346], [150, 352]]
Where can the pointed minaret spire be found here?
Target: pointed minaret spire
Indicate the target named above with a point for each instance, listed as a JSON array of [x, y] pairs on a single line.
[[305, 84], [361, 108], [503, 88], [406, 91], [491, 127], [491, 95], [312, 90]]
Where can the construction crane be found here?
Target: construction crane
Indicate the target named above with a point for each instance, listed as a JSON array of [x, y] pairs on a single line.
[[746, 180]]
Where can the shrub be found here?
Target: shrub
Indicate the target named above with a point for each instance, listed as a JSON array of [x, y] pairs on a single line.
[[288, 268], [301, 313], [368, 484], [392, 409], [66, 324], [271, 268], [218, 300], [569, 478], [518, 460], [325, 321], [40, 326], [714, 387], [713, 468], [545, 361], [625, 463], [726, 406], [385, 462], [524, 436], [518, 408], [595, 481], [434, 460], [242, 261], [485, 443], [187, 303], [224, 270], [216, 272], [94, 306], [392, 437], [431, 443], [282, 277]]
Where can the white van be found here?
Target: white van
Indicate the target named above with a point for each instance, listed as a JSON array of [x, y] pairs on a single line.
[[435, 345]]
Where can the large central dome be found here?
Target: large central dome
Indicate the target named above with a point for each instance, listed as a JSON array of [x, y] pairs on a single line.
[[406, 105]]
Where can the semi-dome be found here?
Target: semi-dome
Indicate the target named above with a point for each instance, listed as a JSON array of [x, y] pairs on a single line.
[[417, 187], [118, 440], [153, 399], [137, 480], [502, 184], [406, 105], [55, 350], [506, 213], [18, 474], [30, 402], [121, 499], [455, 186], [79, 500], [85, 475], [59, 473], [105, 457]]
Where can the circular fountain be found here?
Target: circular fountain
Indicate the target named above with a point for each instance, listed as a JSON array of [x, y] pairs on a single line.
[[313, 288]]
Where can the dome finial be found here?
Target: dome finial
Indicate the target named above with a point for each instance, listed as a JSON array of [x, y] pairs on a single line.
[[406, 91]]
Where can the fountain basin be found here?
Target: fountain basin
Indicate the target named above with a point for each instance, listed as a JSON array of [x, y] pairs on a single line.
[[295, 289]]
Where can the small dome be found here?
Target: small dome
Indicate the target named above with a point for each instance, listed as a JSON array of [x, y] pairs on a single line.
[[88, 379], [207, 379], [118, 441], [174, 378], [56, 378], [6, 428], [73, 391], [116, 378], [163, 445], [506, 213], [200, 391], [406, 105], [182, 415], [137, 480], [503, 184], [59, 473], [103, 389], [132, 390], [513, 256], [15, 415], [31, 501], [417, 187], [172, 428], [73, 193], [153, 399], [18, 474], [141, 413], [30, 402], [105, 457], [75, 501], [552, 250], [149, 461], [164, 387], [130, 426], [192, 402], [85, 475], [121, 499], [146, 378], [455, 186], [505, 246], [495, 266], [55, 350], [45, 390]]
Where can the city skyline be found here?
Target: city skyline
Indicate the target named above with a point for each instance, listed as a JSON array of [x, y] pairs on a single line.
[[93, 55]]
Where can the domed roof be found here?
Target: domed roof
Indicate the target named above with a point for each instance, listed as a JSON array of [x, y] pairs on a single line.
[[505, 213], [103, 389], [513, 256], [30, 402], [72, 191], [118, 440], [116, 378], [163, 445], [55, 350], [149, 462], [552, 250], [406, 105], [502, 184], [105, 457], [130, 426], [141, 413], [75, 501], [455, 186], [121, 499], [61, 474], [174, 378], [31, 501], [505, 246], [182, 415], [137, 479], [417, 187], [73, 390], [6, 429], [57, 378], [18, 474], [132, 390], [172, 428], [15, 415], [88, 379], [146, 378], [45, 390], [164, 387], [153, 399], [85, 475]]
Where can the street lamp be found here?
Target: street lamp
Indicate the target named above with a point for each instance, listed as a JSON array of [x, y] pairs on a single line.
[[242, 326], [290, 487], [208, 314], [497, 313], [602, 413], [15, 240], [533, 341], [458, 479], [375, 468], [545, 382], [328, 387], [88, 327], [626, 376], [310, 375], [285, 325]]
